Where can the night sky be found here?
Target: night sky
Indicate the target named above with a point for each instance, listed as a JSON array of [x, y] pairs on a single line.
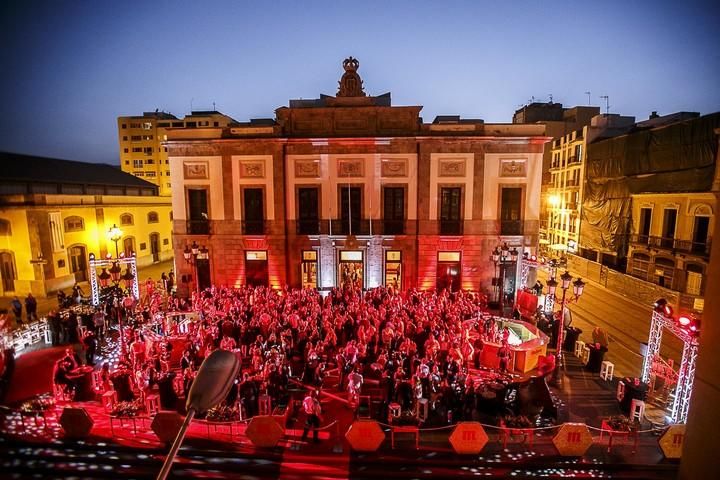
[[69, 68]]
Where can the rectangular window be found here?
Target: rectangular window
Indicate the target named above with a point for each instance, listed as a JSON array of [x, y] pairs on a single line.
[[138, 164], [147, 126], [125, 150], [134, 125], [511, 211], [393, 210], [255, 255], [147, 137], [308, 211], [254, 211], [163, 124], [137, 149], [148, 150], [450, 218], [177, 124], [351, 256], [124, 125], [150, 161], [135, 138], [149, 174]]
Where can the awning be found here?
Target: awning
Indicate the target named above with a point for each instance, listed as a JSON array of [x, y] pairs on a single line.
[[559, 246]]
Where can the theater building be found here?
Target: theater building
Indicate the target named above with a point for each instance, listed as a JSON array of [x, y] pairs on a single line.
[[352, 188]]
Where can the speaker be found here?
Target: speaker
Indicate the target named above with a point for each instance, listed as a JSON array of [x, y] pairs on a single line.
[[166, 425], [76, 422]]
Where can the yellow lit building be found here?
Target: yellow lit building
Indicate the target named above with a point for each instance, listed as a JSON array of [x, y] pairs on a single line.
[[54, 213], [140, 138]]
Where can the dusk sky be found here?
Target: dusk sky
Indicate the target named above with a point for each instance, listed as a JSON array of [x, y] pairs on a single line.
[[70, 68]]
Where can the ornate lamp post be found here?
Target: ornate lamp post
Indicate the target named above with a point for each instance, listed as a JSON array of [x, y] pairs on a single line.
[[578, 287], [115, 234], [192, 254]]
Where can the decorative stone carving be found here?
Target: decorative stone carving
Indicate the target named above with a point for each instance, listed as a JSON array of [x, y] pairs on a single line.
[[513, 168], [394, 168], [350, 84], [196, 170], [451, 168], [350, 168], [252, 169], [307, 168]]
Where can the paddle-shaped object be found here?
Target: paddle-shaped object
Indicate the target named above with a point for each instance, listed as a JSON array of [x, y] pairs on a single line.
[[211, 385]]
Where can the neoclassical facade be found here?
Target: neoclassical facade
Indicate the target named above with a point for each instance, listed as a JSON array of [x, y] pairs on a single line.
[[351, 188]]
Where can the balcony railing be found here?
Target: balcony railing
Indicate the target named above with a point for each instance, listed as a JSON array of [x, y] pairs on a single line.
[[308, 227], [354, 226], [198, 227], [253, 227], [573, 159], [511, 227], [393, 227], [669, 243], [451, 227]]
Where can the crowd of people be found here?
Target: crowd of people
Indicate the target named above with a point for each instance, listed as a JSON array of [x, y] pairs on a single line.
[[410, 346]]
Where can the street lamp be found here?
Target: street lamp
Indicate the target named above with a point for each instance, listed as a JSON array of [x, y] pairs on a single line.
[[578, 287], [115, 234], [502, 256], [192, 254]]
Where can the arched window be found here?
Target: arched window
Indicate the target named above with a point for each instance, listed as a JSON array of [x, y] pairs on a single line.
[[640, 265], [126, 219], [5, 230], [74, 224], [153, 217]]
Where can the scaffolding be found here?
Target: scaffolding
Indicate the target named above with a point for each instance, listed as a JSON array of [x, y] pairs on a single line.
[[686, 375], [129, 262]]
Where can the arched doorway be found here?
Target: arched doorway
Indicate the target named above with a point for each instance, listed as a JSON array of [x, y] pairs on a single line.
[[155, 246], [7, 271], [77, 256]]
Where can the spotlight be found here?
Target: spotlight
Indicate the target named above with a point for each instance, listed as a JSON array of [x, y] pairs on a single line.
[[662, 306], [684, 321], [533, 258]]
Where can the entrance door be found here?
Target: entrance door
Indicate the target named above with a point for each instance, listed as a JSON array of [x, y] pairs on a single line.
[[393, 269], [155, 246], [78, 263], [350, 210], [256, 268], [351, 268], [7, 271], [448, 271], [203, 273]]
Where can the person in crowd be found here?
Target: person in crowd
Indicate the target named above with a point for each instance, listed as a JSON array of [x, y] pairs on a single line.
[[77, 294], [31, 308], [17, 310], [313, 412]]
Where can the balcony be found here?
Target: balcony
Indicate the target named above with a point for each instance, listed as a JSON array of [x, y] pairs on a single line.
[[308, 227], [511, 227], [253, 227], [347, 227], [668, 243], [573, 159], [451, 227], [393, 227], [198, 227]]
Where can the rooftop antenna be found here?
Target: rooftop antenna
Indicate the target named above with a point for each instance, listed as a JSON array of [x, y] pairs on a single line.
[[213, 106], [588, 94], [550, 95], [607, 103]]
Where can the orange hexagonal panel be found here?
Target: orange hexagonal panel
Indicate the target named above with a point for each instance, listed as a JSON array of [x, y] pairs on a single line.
[[166, 425], [468, 438], [76, 422], [573, 440], [365, 435], [671, 442], [264, 431]]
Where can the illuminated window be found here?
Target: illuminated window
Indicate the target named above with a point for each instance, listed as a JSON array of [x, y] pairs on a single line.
[[126, 219], [152, 217], [74, 224], [393, 267], [309, 269], [137, 164]]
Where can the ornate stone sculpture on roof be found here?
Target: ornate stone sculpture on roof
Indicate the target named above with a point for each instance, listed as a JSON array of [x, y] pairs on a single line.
[[350, 84]]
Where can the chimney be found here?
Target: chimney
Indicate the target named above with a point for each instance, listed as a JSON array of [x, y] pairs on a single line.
[[653, 115]]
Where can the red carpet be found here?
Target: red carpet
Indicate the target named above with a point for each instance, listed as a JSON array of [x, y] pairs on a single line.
[[33, 374]]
